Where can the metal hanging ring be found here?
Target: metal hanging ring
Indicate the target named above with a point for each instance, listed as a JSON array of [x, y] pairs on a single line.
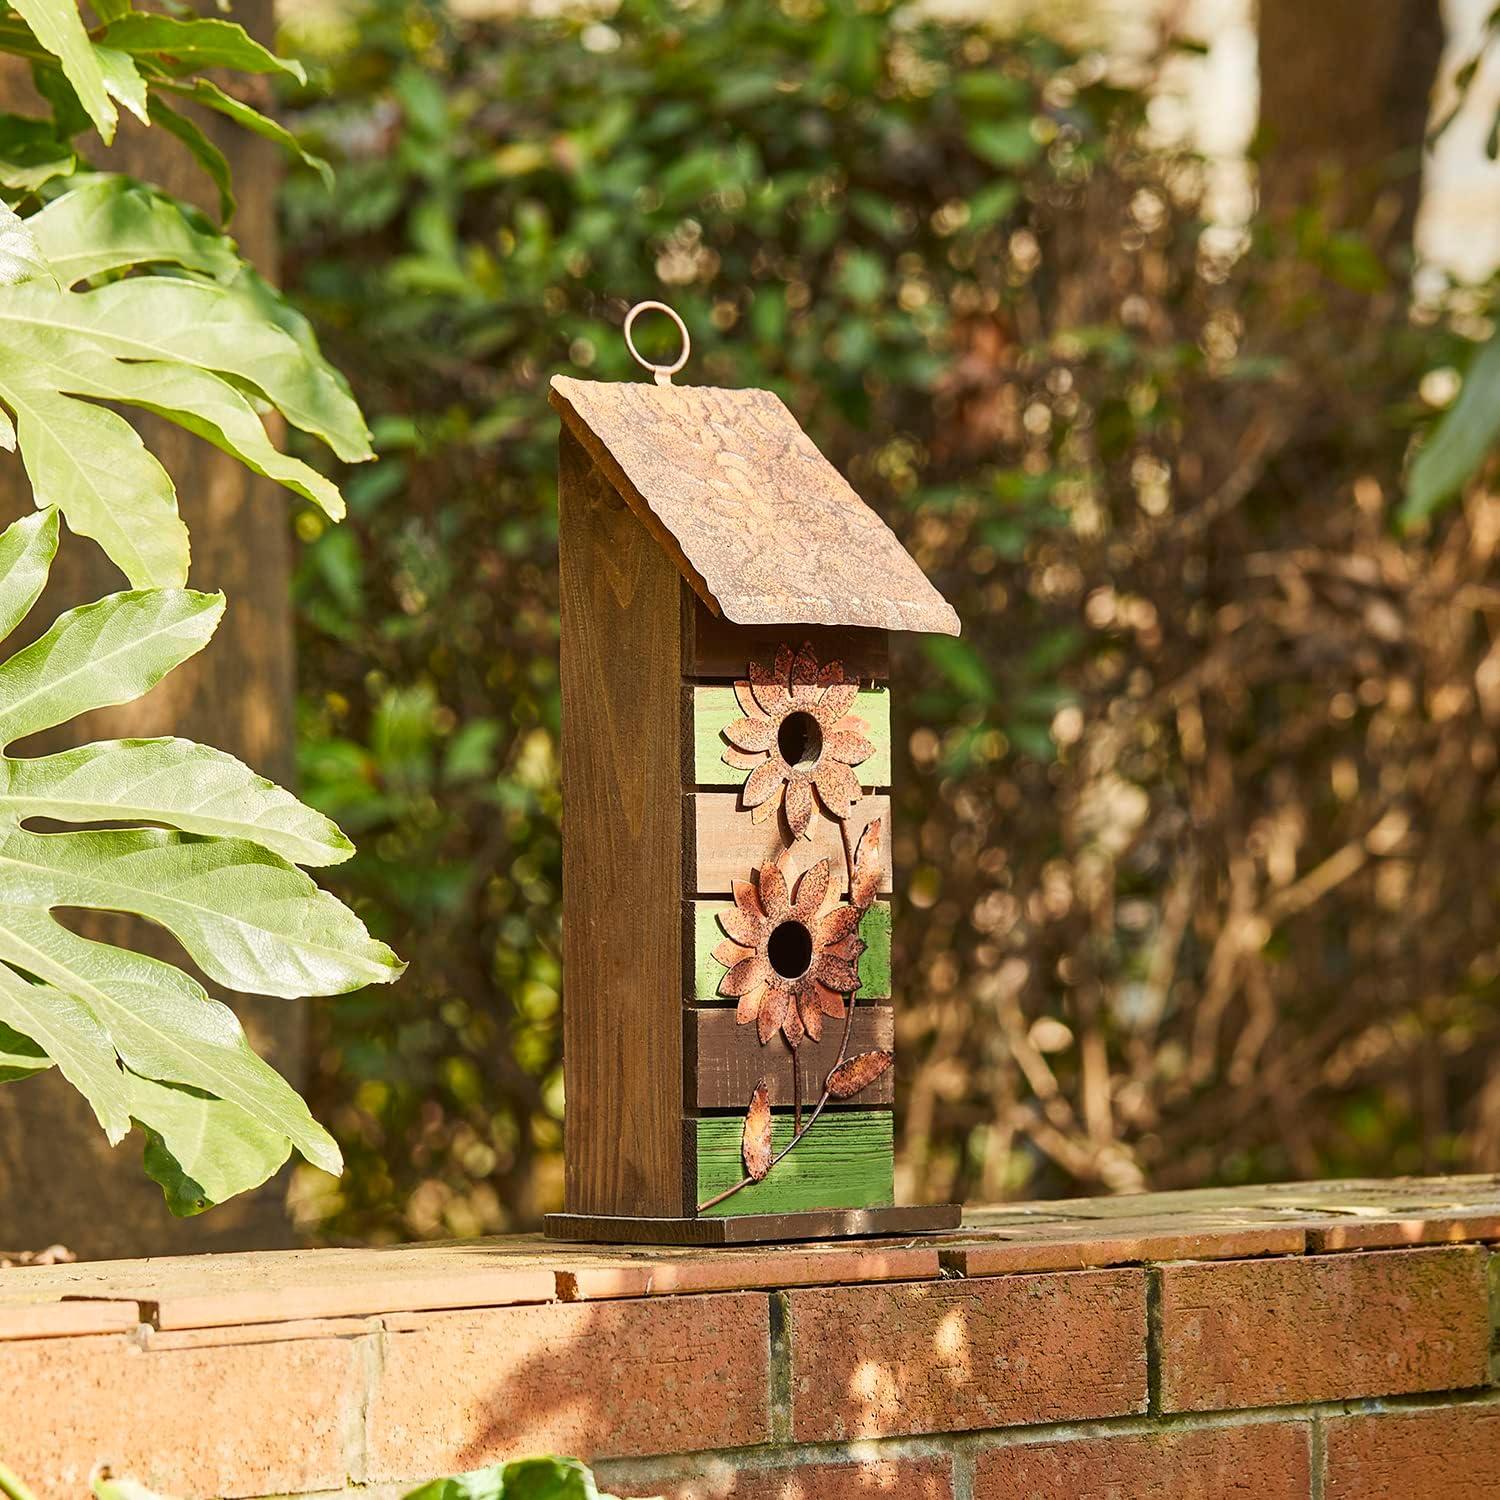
[[663, 373]]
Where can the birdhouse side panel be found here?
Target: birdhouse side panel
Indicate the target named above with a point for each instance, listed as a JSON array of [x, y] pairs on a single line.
[[779, 790], [620, 660]]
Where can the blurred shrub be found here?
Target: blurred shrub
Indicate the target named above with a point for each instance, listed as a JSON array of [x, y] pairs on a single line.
[[1194, 836]]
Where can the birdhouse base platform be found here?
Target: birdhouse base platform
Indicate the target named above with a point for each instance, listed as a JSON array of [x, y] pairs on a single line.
[[754, 1229]]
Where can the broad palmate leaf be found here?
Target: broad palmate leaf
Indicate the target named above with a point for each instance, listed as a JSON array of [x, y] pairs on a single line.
[[211, 853], [199, 347]]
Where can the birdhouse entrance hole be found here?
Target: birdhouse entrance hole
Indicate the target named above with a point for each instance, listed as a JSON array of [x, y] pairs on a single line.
[[800, 740], [790, 949]]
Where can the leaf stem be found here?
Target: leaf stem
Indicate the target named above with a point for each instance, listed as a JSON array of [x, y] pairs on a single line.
[[12, 1486]]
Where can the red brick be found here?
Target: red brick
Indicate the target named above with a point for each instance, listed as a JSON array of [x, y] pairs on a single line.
[[1452, 1453], [1267, 1459], [700, 1478], [1426, 1229], [258, 1420], [1322, 1328], [52, 1320], [459, 1390], [950, 1356]]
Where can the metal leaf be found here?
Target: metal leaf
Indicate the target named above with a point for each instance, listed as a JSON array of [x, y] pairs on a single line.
[[858, 1073], [773, 897], [799, 804], [755, 1144], [811, 889], [865, 881], [751, 734]]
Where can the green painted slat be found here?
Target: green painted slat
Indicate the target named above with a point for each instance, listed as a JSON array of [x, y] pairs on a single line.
[[715, 707], [874, 965], [844, 1161]]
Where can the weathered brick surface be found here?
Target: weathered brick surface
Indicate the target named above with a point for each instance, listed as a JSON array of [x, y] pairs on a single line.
[[951, 1356], [720, 1479], [458, 1390], [1452, 1453], [230, 1421], [1269, 1461], [1322, 1328]]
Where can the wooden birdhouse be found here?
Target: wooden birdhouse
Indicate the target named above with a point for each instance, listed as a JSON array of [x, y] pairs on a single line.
[[726, 760]]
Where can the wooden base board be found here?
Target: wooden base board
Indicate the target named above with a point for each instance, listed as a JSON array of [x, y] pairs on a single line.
[[754, 1229]]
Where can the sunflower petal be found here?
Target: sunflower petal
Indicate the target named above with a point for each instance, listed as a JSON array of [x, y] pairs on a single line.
[[804, 679], [744, 695], [766, 811], [741, 927], [751, 734], [830, 1002], [792, 1026], [769, 685], [748, 1009], [799, 804], [837, 973], [744, 760], [811, 889], [773, 896], [729, 954], [745, 976], [830, 673], [845, 745], [836, 926], [837, 701], [773, 1009], [838, 786], [747, 898], [849, 948], [811, 1014], [763, 783]]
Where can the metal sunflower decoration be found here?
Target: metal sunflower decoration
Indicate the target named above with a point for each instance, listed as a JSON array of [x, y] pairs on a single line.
[[798, 738], [789, 962]]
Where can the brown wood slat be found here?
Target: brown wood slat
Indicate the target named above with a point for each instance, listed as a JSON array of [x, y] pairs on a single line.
[[715, 647], [722, 844], [622, 942], [724, 1060], [755, 1229]]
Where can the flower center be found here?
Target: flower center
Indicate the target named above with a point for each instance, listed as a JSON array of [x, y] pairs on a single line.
[[790, 949], [800, 740]]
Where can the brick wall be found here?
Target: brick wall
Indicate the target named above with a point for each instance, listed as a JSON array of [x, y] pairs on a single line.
[[1328, 1341]]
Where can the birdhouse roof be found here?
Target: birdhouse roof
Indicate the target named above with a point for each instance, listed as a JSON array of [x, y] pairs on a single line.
[[759, 522]]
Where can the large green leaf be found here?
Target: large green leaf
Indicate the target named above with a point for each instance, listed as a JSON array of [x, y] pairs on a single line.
[[107, 652], [189, 787], [180, 347], [108, 223], [20, 258], [1460, 442], [204, 152], [57, 25], [200, 1149], [211, 96], [138, 1037], [181, 45], [31, 153]]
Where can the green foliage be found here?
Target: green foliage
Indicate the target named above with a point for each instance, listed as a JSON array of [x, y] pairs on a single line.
[[138, 1037], [1459, 442], [112, 294]]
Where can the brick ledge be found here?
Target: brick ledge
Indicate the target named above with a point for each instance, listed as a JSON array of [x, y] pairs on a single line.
[[305, 1293]]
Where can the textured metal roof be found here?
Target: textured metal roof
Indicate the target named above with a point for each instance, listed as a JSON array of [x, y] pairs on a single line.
[[761, 524]]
